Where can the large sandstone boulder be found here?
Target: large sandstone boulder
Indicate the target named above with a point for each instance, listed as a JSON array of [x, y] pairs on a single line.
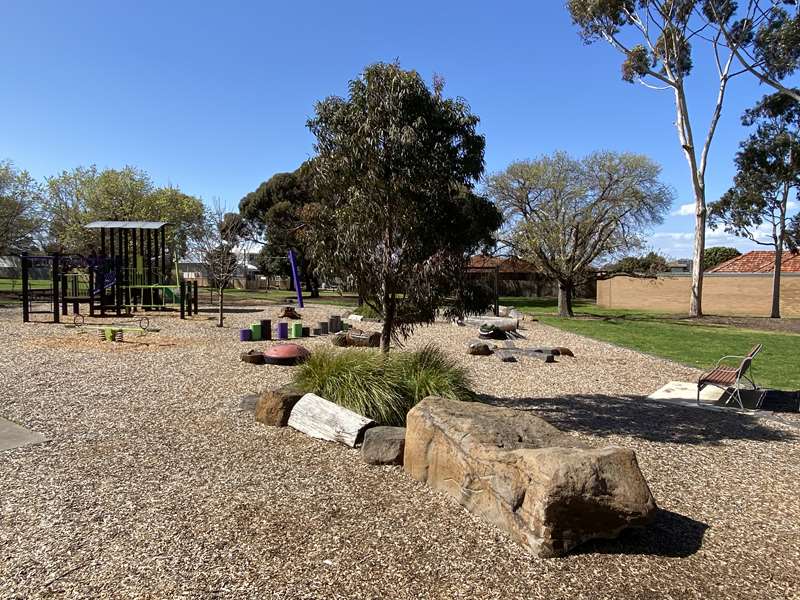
[[544, 487]]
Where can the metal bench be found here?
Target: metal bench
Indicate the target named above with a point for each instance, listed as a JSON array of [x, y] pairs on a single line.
[[732, 377]]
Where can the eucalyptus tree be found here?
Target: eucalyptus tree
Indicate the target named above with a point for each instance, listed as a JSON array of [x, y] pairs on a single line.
[[395, 218], [273, 214], [566, 214], [658, 39], [767, 180]]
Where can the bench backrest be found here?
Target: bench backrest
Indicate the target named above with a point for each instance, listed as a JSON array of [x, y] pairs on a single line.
[[747, 361]]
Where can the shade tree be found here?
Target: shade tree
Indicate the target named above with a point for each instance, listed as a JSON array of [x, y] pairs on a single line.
[[566, 215], [395, 214], [273, 216], [21, 219]]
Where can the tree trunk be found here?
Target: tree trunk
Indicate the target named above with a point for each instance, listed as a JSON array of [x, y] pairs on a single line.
[[696, 301], [775, 313], [388, 320], [221, 321], [779, 239], [565, 299]]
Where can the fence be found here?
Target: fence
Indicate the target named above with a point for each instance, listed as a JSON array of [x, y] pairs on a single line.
[[723, 294]]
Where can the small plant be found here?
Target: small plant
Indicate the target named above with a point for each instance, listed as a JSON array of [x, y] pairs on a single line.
[[383, 387], [366, 311]]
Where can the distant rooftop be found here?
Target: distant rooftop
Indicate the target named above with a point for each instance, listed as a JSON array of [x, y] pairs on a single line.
[[759, 261], [126, 225]]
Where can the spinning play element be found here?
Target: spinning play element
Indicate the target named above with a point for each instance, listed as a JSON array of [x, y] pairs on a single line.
[[285, 354]]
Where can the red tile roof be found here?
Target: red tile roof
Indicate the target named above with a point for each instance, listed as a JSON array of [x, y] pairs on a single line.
[[507, 264], [759, 261]]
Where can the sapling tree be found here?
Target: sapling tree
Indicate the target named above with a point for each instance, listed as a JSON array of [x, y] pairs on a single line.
[[758, 207], [212, 244], [564, 214], [662, 39], [395, 166]]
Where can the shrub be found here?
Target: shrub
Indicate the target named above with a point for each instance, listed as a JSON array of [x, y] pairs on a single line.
[[383, 387], [366, 311]]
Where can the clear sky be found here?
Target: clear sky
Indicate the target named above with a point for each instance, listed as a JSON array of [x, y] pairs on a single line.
[[214, 97]]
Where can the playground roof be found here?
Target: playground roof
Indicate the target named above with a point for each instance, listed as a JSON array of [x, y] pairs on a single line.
[[125, 225]]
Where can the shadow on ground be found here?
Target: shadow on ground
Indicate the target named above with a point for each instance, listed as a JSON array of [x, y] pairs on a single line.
[[228, 309], [602, 415], [671, 535]]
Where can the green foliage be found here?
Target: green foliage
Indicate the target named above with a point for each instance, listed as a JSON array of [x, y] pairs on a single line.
[[649, 264], [274, 213], [565, 214], [716, 255], [396, 216], [367, 311], [762, 35], [767, 178], [383, 387], [77, 197], [20, 216]]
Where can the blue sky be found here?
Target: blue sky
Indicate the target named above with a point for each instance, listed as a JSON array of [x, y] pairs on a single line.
[[213, 97]]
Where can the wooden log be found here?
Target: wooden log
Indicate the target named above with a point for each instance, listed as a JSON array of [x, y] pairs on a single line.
[[504, 323], [324, 420]]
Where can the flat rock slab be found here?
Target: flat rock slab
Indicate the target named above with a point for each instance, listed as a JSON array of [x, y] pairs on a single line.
[[247, 403], [16, 436], [687, 392], [545, 488]]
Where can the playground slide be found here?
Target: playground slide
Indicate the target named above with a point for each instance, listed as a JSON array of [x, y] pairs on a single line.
[[109, 280], [172, 295]]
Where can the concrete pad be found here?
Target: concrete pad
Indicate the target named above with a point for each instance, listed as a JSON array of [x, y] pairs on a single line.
[[685, 391], [16, 436]]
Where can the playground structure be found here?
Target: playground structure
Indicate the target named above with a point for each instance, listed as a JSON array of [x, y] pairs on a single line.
[[130, 273]]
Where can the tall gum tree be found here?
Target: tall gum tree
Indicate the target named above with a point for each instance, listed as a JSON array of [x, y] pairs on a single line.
[[767, 183], [657, 38]]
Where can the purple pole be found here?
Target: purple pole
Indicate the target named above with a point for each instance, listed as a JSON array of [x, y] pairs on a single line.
[[296, 279]]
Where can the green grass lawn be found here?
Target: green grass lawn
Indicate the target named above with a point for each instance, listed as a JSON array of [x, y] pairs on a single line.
[[281, 296], [682, 341], [15, 285]]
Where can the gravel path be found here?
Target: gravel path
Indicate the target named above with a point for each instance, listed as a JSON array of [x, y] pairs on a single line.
[[157, 484]]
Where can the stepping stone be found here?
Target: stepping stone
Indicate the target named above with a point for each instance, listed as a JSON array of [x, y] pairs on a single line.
[[685, 391], [16, 436]]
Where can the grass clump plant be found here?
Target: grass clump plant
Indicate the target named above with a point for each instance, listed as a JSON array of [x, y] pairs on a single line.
[[383, 387], [366, 311]]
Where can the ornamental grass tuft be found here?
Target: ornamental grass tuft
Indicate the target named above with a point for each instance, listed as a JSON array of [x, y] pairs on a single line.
[[383, 387]]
